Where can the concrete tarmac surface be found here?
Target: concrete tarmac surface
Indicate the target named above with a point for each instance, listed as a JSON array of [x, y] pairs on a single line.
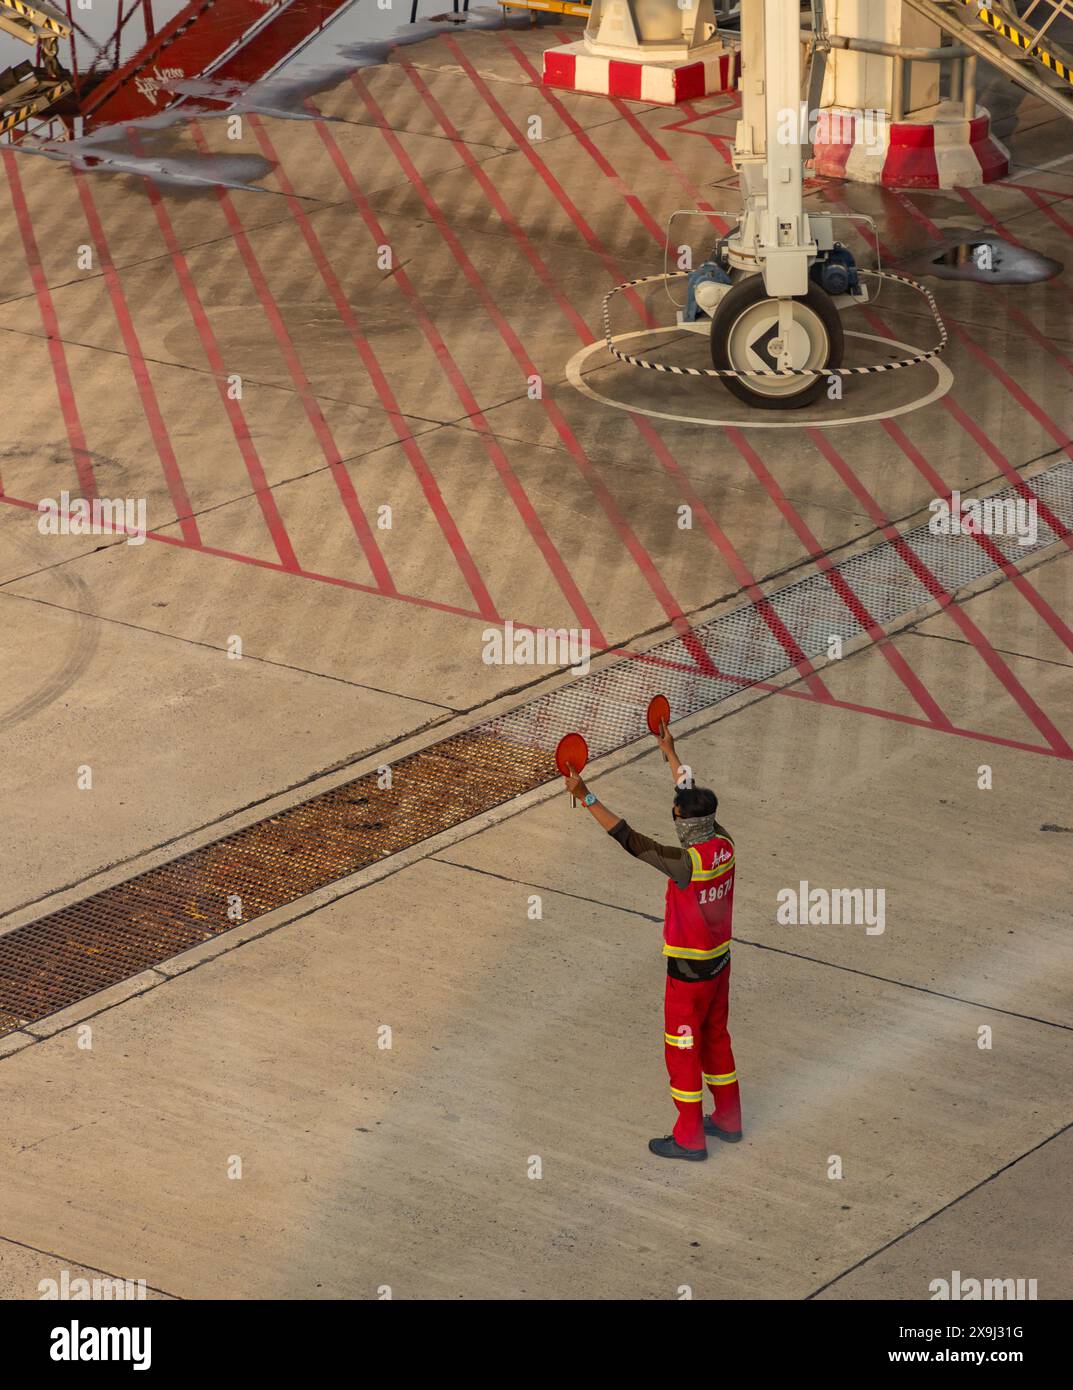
[[439, 1074]]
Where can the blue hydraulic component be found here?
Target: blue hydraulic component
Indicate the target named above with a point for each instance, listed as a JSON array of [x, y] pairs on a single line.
[[836, 271], [709, 272]]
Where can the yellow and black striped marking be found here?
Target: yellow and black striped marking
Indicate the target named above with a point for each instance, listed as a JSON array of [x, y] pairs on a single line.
[[40, 16], [1001, 25], [37, 104], [547, 6]]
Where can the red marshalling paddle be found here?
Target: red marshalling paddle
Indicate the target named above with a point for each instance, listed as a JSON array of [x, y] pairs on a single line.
[[571, 756], [659, 716]]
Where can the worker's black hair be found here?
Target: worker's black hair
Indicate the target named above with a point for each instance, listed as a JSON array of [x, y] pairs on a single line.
[[695, 801]]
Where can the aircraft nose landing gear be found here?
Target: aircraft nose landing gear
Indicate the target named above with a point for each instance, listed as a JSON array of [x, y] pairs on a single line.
[[752, 332], [775, 282]]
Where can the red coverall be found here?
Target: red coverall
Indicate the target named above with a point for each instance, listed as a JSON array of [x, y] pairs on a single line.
[[696, 935], [696, 942]]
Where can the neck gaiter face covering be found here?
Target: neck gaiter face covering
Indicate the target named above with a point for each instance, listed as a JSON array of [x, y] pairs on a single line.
[[695, 830]]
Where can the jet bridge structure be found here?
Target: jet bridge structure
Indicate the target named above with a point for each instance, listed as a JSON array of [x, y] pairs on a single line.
[[141, 67]]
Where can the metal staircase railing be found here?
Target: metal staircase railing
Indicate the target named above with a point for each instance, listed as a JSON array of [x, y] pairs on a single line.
[[1027, 42], [27, 90]]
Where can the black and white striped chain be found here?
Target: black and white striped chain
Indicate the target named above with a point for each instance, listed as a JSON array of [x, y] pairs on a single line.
[[651, 366]]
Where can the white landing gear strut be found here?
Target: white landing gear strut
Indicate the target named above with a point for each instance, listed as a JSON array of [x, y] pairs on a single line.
[[770, 293], [777, 313], [775, 287]]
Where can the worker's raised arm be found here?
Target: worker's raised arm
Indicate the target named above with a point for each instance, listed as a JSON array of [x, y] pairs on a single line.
[[679, 772], [671, 860]]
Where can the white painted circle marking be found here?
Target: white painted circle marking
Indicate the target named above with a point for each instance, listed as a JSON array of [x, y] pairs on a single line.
[[801, 418]]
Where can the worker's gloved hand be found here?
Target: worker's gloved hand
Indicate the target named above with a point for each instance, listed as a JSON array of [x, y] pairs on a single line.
[[576, 787]]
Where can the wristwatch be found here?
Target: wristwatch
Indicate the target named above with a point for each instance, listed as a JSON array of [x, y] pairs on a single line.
[[589, 800]]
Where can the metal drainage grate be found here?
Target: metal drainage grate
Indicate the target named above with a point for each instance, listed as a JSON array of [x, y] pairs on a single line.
[[59, 959], [68, 955]]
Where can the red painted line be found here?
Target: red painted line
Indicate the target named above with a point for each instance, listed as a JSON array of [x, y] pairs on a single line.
[[994, 662], [353, 585], [454, 374], [278, 568], [1023, 486], [1020, 581], [893, 656], [941, 729], [852, 602], [640, 656], [1022, 398], [734, 561], [323, 434], [1060, 437], [1036, 196], [566, 307], [652, 438], [150, 405], [1026, 324], [909, 556], [581, 328], [814, 549], [992, 551], [1029, 328], [64, 390], [1056, 284], [775, 624], [999, 669], [236, 417], [634, 203], [107, 527], [689, 668], [892, 715], [661, 154], [493, 195], [548, 178], [692, 115], [1052, 521], [637, 551], [992, 451], [719, 143], [916, 687], [1055, 522], [1052, 193], [412, 449]]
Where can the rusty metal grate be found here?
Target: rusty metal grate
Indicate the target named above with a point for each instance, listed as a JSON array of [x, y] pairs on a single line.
[[104, 939], [70, 954]]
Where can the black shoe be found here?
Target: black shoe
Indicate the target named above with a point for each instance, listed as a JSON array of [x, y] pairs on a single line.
[[669, 1147], [732, 1136]]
